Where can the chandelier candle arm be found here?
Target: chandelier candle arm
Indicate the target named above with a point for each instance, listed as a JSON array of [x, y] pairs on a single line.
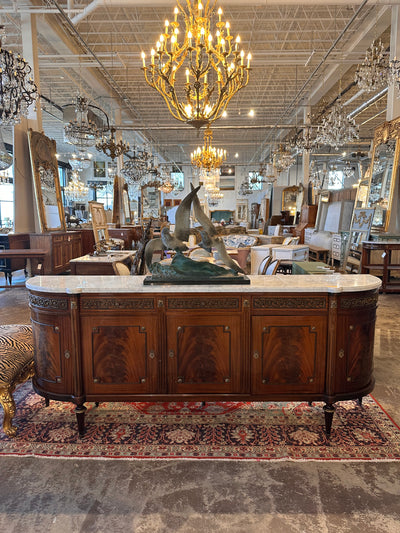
[[214, 73]]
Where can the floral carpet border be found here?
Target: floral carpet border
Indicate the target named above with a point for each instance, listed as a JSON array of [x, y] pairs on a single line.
[[260, 431]]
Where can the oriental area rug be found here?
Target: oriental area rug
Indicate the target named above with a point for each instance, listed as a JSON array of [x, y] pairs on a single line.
[[217, 430]]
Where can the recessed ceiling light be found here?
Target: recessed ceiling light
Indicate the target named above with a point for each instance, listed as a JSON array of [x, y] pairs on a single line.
[[251, 113], [236, 155], [224, 114]]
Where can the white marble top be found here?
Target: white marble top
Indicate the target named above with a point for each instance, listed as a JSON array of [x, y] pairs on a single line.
[[333, 283]]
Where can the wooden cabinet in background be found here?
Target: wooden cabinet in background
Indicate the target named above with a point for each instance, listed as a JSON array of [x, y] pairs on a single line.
[[61, 246]]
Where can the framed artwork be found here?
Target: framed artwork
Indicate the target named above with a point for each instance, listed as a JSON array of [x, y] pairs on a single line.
[[227, 184], [47, 182], [227, 170]]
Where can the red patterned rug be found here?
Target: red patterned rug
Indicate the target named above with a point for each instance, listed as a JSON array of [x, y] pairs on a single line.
[[218, 430]]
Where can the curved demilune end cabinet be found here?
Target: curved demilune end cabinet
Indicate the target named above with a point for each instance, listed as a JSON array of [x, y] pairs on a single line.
[[203, 347]]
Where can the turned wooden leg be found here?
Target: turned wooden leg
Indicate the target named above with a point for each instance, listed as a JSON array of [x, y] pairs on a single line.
[[203, 404], [310, 404], [96, 404], [80, 418], [46, 402], [329, 411], [360, 399], [7, 401]]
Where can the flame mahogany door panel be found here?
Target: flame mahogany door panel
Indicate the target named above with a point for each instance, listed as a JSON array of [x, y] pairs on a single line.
[[204, 353], [288, 354], [355, 344], [120, 354]]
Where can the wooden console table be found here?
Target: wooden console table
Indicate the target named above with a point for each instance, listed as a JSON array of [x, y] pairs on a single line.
[[385, 266], [293, 338], [27, 254], [100, 265]]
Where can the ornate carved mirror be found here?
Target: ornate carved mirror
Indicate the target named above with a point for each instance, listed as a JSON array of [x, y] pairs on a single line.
[[383, 173], [289, 199], [47, 182]]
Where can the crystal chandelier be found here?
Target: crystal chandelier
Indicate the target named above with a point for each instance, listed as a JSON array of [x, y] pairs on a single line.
[[337, 128], [372, 74], [213, 197], [110, 147], [307, 142], [17, 89], [81, 131], [282, 159], [209, 178], [80, 161], [167, 185], [213, 65], [136, 165], [76, 190], [208, 157]]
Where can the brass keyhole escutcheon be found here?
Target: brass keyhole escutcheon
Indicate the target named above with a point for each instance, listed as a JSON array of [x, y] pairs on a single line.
[[152, 354], [256, 355]]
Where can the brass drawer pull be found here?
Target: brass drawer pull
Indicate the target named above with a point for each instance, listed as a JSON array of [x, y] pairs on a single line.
[[256, 355], [67, 355], [180, 379]]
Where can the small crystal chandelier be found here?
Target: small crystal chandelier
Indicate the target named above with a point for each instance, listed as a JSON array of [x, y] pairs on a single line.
[[80, 161], [337, 128], [214, 71], [213, 197], [208, 157], [372, 74], [17, 89], [282, 159], [76, 190], [136, 165], [167, 185], [81, 131], [307, 142], [110, 147]]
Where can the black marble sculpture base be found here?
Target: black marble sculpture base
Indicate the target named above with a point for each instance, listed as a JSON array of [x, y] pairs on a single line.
[[218, 280]]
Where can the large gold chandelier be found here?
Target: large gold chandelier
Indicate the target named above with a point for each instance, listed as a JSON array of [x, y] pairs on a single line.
[[197, 77], [208, 157]]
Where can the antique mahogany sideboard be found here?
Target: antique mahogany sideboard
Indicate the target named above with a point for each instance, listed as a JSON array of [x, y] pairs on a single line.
[[288, 338]]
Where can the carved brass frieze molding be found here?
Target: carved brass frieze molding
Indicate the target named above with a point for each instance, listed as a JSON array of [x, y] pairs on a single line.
[[283, 302], [49, 303], [203, 303], [359, 302], [114, 303]]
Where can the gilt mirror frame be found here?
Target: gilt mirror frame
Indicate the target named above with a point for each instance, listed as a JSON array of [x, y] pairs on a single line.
[[387, 131], [47, 182]]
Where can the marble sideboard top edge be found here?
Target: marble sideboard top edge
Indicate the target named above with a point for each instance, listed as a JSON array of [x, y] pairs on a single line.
[[333, 283]]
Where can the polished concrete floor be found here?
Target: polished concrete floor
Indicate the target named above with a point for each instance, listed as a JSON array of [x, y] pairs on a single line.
[[70, 496]]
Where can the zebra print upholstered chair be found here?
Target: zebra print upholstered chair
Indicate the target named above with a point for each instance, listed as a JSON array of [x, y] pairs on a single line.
[[16, 367]]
